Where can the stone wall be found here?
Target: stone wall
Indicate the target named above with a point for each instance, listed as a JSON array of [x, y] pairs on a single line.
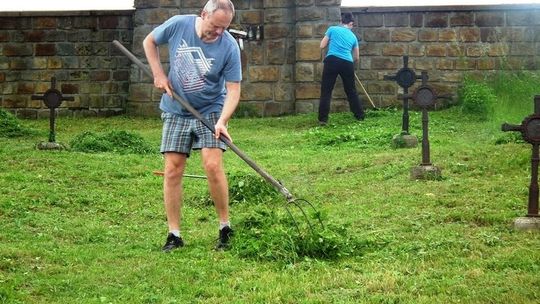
[[448, 42], [75, 48], [282, 70]]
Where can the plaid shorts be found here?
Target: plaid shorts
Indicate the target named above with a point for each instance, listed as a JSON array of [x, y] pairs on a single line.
[[182, 134]]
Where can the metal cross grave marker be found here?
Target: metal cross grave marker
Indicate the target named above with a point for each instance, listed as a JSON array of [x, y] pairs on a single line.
[[425, 96], [53, 99], [530, 130], [405, 78]]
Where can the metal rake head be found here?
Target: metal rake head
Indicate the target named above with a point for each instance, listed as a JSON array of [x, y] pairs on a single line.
[[309, 217]]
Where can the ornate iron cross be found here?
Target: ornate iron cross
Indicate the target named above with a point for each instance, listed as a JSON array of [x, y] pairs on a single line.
[[425, 96], [405, 78], [530, 130], [53, 99]]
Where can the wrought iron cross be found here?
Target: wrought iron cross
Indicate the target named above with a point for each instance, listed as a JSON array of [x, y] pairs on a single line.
[[52, 99], [425, 96], [530, 130], [405, 78]]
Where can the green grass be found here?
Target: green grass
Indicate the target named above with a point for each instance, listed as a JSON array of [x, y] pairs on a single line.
[[87, 227]]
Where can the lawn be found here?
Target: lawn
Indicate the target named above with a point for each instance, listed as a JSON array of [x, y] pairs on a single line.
[[83, 227]]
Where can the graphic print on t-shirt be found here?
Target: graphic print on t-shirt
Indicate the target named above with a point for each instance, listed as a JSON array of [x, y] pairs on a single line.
[[190, 67]]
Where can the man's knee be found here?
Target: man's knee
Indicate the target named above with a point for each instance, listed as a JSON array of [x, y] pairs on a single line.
[[213, 166]]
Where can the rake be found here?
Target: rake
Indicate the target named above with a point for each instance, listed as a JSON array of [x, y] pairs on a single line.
[[291, 200]]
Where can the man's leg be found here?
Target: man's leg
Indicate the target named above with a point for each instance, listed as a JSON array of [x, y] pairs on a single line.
[[217, 181], [219, 190], [172, 188]]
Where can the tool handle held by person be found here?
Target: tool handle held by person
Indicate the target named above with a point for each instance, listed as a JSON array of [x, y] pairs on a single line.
[[365, 92]]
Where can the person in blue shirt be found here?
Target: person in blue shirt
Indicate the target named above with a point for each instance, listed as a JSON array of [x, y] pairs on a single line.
[[205, 70], [342, 53]]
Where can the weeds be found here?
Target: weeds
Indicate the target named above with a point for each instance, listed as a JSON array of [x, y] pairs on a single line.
[[249, 188], [515, 95], [11, 127], [271, 235], [476, 98]]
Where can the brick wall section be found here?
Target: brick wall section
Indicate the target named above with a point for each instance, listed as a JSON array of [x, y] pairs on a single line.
[[281, 72], [448, 42], [75, 48]]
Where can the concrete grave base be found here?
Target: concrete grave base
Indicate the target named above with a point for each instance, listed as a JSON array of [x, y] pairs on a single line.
[[50, 146], [426, 172], [404, 141], [527, 223]]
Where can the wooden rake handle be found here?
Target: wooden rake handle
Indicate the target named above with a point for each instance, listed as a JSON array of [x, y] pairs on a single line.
[[364, 90]]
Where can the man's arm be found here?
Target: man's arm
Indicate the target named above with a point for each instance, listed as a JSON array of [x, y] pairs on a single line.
[[231, 102], [161, 81]]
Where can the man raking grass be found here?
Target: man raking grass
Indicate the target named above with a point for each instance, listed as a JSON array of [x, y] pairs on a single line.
[[219, 131]]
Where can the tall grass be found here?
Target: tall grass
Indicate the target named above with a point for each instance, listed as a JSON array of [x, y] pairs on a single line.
[[515, 93]]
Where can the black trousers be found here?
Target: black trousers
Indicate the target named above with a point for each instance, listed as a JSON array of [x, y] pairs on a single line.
[[334, 66]]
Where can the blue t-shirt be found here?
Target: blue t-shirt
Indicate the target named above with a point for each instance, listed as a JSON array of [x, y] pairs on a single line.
[[198, 70], [342, 42]]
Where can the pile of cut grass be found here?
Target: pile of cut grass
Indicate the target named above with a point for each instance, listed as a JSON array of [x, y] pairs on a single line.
[[123, 142]]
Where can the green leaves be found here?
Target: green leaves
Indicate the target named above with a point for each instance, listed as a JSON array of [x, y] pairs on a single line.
[[249, 188]]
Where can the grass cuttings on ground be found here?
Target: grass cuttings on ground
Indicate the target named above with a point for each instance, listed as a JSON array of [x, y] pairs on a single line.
[[270, 233], [266, 231], [113, 141]]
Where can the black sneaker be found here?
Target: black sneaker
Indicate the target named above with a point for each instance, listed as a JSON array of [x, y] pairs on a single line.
[[172, 242], [224, 236]]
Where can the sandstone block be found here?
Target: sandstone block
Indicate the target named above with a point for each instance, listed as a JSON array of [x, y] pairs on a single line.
[[308, 50], [263, 73]]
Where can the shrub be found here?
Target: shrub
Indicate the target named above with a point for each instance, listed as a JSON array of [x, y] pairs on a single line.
[[11, 127]]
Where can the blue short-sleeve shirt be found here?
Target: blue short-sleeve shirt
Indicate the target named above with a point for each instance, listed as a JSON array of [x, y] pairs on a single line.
[[198, 70], [342, 42]]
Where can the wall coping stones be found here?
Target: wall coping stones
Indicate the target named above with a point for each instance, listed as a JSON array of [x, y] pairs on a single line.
[[445, 8], [68, 13]]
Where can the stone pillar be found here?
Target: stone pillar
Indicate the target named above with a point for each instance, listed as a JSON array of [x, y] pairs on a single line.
[[143, 97], [313, 17], [268, 78]]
